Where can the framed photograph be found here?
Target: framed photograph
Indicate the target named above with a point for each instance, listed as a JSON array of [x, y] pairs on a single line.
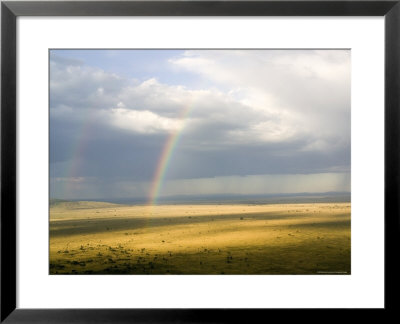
[[188, 161]]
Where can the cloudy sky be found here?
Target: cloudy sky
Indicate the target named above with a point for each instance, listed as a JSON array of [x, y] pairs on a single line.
[[137, 123]]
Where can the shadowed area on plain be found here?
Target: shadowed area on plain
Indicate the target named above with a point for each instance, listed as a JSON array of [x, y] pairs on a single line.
[[198, 239], [89, 226]]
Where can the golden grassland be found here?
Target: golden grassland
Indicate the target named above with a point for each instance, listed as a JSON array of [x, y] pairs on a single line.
[[105, 238]]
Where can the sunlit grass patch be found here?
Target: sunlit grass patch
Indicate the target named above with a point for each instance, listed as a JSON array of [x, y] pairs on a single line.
[[214, 239]]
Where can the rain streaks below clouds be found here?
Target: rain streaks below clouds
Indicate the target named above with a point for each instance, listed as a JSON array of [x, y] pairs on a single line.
[[260, 122]]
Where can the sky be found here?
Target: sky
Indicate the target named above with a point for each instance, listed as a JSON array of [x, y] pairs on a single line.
[[158, 123]]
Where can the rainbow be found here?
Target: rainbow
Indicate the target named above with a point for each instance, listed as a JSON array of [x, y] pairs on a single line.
[[77, 150], [164, 160]]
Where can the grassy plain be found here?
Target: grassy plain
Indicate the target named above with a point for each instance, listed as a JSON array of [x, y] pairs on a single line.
[[104, 238]]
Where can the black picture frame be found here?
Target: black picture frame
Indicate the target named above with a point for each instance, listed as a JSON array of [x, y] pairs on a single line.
[[10, 10]]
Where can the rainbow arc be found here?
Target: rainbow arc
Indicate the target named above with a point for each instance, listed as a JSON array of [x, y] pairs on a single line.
[[165, 158]]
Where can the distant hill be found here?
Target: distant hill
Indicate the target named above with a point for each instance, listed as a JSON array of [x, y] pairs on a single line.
[[68, 204], [305, 197]]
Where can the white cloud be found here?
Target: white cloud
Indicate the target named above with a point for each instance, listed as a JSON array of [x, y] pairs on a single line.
[[307, 93], [260, 96], [144, 121], [256, 112]]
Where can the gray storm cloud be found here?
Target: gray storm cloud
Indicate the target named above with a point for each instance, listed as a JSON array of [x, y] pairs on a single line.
[[264, 113]]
